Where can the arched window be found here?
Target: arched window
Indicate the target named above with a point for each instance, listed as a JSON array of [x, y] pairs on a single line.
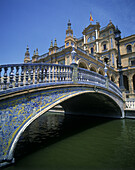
[[101, 72], [125, 80], [89, 40], [112, 78], [92, 69], [104, 46], [82, 65], [134, 82], [129, 48], [92, 50]]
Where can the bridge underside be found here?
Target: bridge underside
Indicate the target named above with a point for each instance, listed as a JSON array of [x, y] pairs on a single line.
[[92, 104]]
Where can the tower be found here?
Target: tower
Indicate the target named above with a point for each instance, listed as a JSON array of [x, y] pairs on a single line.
[[35, 56], [55, 46], [27, 55], [51, 48], [69, 40]]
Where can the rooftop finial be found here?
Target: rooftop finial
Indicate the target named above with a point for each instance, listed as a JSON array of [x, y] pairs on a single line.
[[27, 48], [36, 51], [55, 42], [51, 44], [69, 24]]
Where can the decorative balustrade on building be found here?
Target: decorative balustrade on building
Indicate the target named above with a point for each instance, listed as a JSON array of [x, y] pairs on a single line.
[[130, 104], [22, 75]]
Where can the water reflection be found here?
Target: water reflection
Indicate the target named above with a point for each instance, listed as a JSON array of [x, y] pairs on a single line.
[[76, 142], [39, 133]]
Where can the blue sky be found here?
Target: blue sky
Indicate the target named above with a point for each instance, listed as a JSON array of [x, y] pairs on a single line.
[[36, 22]]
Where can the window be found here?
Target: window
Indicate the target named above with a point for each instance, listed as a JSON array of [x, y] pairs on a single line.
[[129, 49], [72, 43], [67, 44], [89, 39], [132, 62], [93, 38], [112, 59], [92, 50], [111, 31], [125, 80], [111, 43], [62, 62], [104, 46]]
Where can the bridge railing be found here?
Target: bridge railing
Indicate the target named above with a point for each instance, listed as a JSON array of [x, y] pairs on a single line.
[[22, 75], [96, 79], [18, 75]]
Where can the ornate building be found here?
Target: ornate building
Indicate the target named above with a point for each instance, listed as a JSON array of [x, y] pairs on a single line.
[[96, 47]]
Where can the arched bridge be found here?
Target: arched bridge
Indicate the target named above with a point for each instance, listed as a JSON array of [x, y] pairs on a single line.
[[29, 90]]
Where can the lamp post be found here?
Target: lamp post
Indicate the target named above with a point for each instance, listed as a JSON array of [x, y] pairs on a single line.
[[117, 38]]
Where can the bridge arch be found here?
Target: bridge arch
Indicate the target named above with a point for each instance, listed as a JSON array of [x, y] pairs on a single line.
[[39, 100]]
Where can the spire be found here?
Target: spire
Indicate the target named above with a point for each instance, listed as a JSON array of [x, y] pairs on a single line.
[[55, 43], [69, 31], [36, 51], [51, 44], [27, 49], [27, 55], [69, 24]]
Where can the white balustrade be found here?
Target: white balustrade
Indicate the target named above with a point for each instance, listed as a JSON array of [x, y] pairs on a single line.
[[18, 75], [130, 104]]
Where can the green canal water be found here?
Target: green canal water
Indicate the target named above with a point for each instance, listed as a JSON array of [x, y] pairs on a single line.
[[58, 142]]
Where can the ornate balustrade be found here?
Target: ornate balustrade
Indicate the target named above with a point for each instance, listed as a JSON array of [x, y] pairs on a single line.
[[18, 75], [96, 79], [23, 75], [130, 104]]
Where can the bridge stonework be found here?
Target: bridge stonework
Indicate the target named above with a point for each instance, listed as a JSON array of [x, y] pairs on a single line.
[[21, 105]]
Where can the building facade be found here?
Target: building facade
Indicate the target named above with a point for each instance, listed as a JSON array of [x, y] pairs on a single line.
[[96, 47]]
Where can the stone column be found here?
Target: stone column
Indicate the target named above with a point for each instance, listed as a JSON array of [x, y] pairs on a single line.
[[130, 83], [97, 45], [74, 64]]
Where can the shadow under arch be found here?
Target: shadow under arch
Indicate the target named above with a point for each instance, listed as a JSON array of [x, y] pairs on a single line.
[[92, 104]]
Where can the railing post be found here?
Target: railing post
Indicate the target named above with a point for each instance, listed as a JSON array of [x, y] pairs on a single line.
[[40, 74], [44, 71], [75, 70], [11, 77], [5, 78], [31, 75], [27, 76], [17, 76], [35, 74], [75, 73], [47, 76], [22, 75], [106, 81]]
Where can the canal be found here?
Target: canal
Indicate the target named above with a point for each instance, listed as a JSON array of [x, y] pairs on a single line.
[[68, 142]]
